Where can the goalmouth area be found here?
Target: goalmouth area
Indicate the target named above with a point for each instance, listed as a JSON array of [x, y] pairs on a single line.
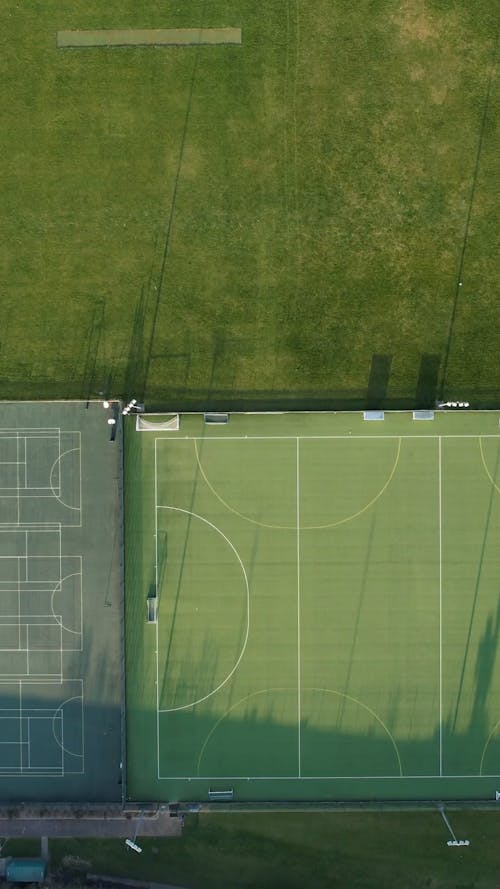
[[312, 607]]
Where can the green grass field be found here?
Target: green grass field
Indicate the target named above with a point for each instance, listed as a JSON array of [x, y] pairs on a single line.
[[282, 222], [328, 611], [323, 851]]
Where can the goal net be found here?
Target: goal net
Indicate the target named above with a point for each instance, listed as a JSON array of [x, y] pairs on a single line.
[[157, 422]]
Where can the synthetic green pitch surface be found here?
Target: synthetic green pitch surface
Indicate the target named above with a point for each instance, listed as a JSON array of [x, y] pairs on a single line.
[[328, 608]]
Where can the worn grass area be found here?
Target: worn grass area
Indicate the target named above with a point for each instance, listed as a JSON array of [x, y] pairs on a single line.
[[251, 225], [330, 851], [157, 37]]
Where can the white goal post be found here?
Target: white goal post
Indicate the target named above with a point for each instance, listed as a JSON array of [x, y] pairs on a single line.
[[157, 422]]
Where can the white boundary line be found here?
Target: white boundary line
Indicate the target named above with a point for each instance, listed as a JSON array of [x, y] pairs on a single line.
[[328, 777], [440, 775], [440, 503], [347, 436], [18, 483], [298, 610], [21, 723], [157, 622], [23, 437]]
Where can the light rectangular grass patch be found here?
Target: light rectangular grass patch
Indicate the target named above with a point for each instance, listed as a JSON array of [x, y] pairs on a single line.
[[149, 37]]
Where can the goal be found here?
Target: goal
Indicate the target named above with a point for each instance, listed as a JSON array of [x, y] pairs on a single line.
[[157, 422]]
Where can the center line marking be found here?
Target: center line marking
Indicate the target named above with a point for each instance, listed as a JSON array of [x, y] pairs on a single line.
[[440, 499], [298, 606]]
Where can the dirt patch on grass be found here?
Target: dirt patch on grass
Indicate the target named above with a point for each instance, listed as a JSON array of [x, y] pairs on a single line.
[[439, 94], [417, 72], [72, 862], [416, 22]]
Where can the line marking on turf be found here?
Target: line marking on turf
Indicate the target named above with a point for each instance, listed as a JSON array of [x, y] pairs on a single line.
[[298, 608], [436, 776], [324, 777], [157, 622], [247, 586], [331, 691], [345, 436], [493, 730], [253, 694], [485, 465], [323, 527], [440, 506]]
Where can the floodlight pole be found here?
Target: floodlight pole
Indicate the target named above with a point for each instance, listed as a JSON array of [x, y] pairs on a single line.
[[453, 841]]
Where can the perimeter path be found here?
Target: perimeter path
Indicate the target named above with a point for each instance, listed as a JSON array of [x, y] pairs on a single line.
[[160, 826]]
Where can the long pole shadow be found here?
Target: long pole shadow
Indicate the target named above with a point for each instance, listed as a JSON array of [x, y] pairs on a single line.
[[458, 283], [476, 594], [159, 286]]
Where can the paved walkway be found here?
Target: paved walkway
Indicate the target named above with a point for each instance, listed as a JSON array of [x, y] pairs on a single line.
[[130, 884], [160, 826]]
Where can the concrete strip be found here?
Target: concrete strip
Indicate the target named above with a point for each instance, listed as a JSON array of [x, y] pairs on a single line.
[[130, 884], [155, 37], [163, 826], [44, 850]]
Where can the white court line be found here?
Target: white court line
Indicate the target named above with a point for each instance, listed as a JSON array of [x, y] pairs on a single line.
[[82, 772], [18, 487], [19, 601], [21, 722], [29, 744], [36, 431], [440, 613], [298, 608], [80, 470], [61, 649], [24, 496], [60, 581], [59, 458], [62, 738], [26, 552]]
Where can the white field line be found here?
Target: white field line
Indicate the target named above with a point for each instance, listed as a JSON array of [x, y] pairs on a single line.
[[157, 622], [345, 436], [325, 777], [440, 613], [298, 609], [21, 723], [335, 437]]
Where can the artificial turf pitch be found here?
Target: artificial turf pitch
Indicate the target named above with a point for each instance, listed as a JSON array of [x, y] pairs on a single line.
[[328, 608]]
